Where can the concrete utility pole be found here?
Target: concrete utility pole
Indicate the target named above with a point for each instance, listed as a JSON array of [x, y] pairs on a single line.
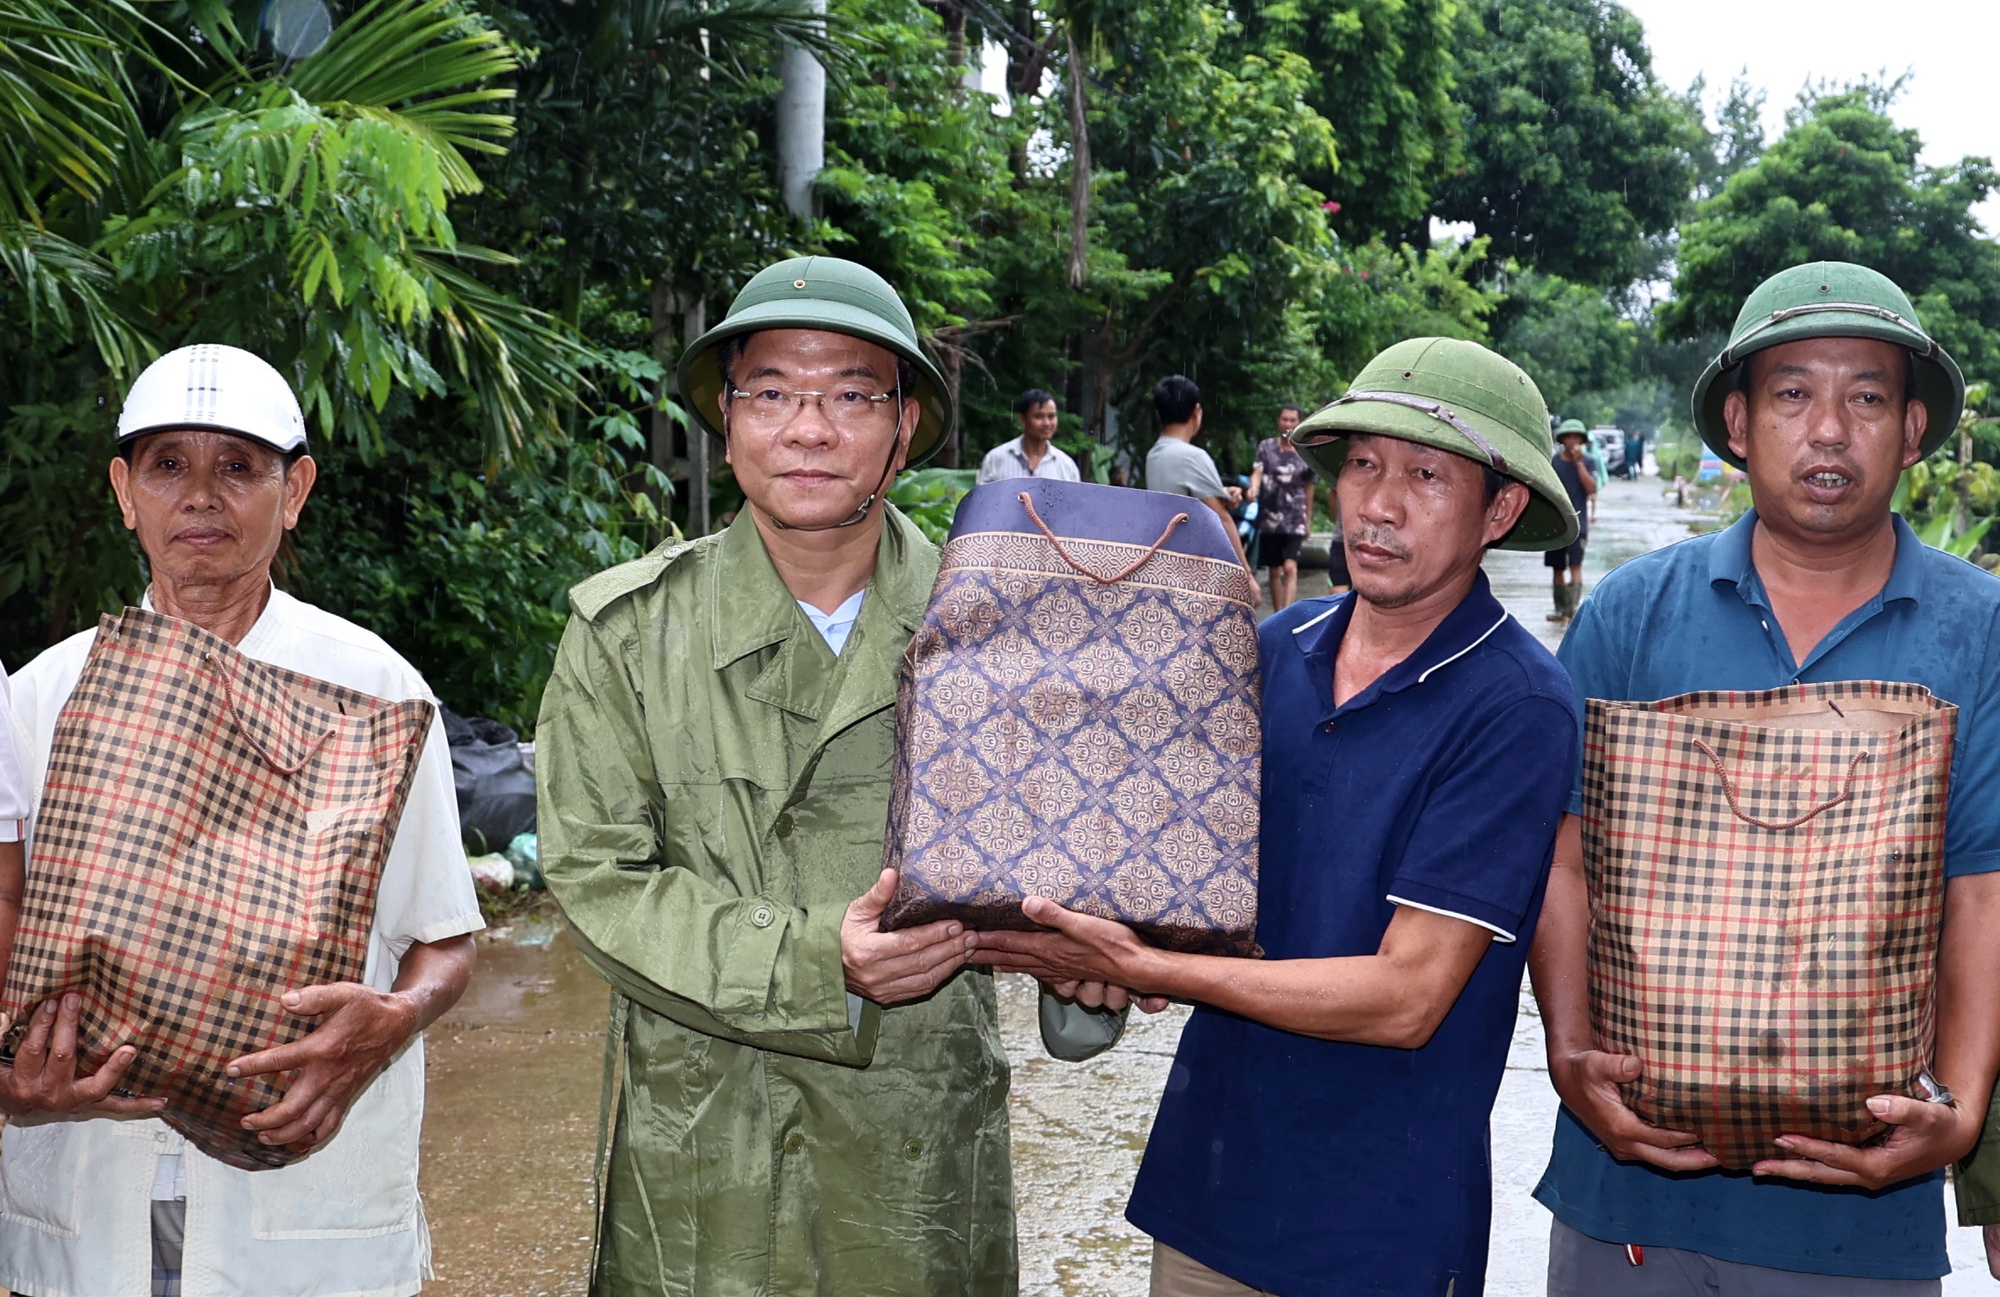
[[801, 125]]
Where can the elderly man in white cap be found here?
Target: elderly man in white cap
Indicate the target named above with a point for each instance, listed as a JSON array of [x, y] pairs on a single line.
[[211, 471]]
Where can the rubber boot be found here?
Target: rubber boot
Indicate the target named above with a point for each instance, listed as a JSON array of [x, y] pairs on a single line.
[[1562, 604]]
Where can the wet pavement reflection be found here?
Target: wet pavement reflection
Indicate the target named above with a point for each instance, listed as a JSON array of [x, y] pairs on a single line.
[[510, 1124], [515, 1075]]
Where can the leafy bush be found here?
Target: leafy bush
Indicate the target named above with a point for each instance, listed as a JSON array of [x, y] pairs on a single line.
[[930, 496]]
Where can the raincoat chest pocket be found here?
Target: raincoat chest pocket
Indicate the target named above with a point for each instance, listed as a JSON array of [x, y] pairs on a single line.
[[364, 1182], [722, 765]]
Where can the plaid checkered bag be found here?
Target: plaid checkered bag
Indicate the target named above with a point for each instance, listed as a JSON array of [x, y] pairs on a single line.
[[1766, 875], [210, 835], [1078, 719]]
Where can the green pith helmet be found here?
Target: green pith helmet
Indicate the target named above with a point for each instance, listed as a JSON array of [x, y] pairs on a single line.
[[1830, 299], [1460, 397], [821, 293], [1568, 426]]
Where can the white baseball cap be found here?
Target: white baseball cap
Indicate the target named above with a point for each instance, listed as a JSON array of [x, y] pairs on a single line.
[[212, 386]]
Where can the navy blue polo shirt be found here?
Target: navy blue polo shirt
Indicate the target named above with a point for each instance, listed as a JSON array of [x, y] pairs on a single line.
[[1315, 1167], [1695, 616]]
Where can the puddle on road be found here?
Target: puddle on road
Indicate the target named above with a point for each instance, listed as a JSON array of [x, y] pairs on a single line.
[[510, 1122]]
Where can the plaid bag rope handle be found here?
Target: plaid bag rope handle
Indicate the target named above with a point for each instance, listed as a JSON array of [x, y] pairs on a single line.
[[249, 732], [1066, 557], [1736, 809]]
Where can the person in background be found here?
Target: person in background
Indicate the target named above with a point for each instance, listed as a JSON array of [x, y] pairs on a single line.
[[1033, 453], [1324, 1130], [211, 470], [1566, 565], [1594, 454], [1281, 482], [1179, 467], [1635, 454], [1827, 390]]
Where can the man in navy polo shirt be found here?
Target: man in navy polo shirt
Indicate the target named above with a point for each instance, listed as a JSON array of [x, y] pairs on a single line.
[[1827, 390], [1324, 1129]]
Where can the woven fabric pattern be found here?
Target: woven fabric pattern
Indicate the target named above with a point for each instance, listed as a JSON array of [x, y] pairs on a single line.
[[1096, 744], [1766, 875], [211, 834]]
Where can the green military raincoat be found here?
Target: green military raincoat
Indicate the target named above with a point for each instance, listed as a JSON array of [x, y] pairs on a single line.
[[715, 784]]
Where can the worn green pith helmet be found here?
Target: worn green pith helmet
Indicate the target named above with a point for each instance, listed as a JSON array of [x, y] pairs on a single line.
[[1830, 299], [821, 293], [1571, 425], [1456, 396]]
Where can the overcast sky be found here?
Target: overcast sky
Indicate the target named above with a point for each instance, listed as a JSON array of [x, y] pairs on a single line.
[[1948, 46]]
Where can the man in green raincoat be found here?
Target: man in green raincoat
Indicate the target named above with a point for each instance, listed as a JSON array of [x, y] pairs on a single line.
[[797, 1101]]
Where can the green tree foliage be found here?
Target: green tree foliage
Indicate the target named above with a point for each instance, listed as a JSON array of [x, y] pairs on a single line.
[[1571, 339], [639, 153], [1381, 74], [1574, 152], [1844, 183]]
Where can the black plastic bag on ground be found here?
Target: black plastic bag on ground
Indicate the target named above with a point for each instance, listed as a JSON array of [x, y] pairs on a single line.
[[496, 790]]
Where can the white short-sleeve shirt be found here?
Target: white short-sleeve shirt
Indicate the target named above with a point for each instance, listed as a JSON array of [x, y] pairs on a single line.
[[75, 1193], [1010, 460], [14, 808]]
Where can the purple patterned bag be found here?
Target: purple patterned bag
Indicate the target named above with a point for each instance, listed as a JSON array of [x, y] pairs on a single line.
[[1078, 719]]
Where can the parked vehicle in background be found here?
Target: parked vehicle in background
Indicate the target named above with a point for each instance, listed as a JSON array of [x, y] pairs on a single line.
[[1609, 443]]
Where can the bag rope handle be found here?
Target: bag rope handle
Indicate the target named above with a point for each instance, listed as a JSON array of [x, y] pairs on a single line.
[[1067, 557], [1736, 808], [227, 681]]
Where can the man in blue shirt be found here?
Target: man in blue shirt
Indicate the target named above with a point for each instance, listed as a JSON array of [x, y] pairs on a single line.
[[1827, 390], [1324, 1127]]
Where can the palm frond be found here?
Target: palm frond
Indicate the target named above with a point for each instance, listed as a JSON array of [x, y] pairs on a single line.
[[523, 366], [64, 286], [64, 98], [421, 66], [627, 24]]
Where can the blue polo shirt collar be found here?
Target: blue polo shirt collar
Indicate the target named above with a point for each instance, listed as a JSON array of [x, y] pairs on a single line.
[[1464, 628], [1730, 563]]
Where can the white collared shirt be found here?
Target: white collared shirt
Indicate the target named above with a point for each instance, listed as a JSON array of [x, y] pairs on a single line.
[[13, 784], [75, 1193], [834, 627], [1008, 460]]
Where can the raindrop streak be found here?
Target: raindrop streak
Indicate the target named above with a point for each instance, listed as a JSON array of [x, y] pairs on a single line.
[[297, 28]]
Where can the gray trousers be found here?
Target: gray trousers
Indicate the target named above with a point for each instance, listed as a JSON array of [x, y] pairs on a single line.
[[1581, 1266], [169, 1229]]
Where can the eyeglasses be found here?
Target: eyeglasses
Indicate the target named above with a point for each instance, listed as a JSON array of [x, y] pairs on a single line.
[[849, 409]]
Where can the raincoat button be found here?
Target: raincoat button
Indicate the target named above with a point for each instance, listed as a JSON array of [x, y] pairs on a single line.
[[913, 1149], [1326, 728], [795, 1143], [784, 826], [761, 916]]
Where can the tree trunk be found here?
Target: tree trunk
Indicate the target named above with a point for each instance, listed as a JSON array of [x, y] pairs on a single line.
[[801, 126], [1024, 69], [698, 441], [1079, 172], [954, 32], [660, 426]]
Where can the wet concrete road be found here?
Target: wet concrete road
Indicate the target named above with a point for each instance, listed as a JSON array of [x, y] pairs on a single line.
[[515, 1072]]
